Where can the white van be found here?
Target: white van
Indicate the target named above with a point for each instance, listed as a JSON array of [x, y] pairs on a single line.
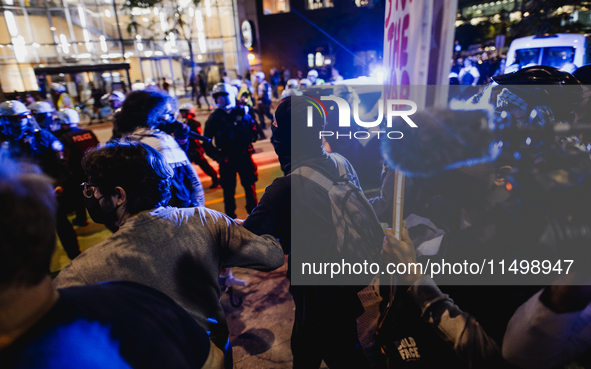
[[560, 50]]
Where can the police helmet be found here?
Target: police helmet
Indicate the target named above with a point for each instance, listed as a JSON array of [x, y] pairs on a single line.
[[225, 89], [222, 88], [58, 87], [42, 107], [305, 83], [237, 83], [68, 116], [292, 83], [43, 112], [188, 107], [14, 118], [116, 96]]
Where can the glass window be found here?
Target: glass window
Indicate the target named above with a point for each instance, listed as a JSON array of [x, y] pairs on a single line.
[[275, 6], [318, 4], [557, 57], [527, 56]]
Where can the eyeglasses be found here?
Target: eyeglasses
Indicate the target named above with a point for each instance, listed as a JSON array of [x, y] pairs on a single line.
[[88, 189]]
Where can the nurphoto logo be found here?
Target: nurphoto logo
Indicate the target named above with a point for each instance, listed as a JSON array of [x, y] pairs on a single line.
[[393, 107]]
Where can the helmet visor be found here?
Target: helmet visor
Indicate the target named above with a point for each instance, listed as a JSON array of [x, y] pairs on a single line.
[[15, 125]]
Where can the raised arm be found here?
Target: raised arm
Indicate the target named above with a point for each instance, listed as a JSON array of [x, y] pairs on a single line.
[[241, 248]]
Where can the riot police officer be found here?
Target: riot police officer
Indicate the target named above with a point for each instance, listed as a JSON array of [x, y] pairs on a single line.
[[76, 142], [233, 131], [292, 87], [22, 138], [195, 151], [43, 112]]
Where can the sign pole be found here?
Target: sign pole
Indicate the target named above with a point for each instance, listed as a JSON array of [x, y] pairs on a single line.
[[418, 46]]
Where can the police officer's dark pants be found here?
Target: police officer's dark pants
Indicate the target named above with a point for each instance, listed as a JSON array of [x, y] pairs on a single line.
[[80, 209], [325, 328], [66, 233], [247, 170]]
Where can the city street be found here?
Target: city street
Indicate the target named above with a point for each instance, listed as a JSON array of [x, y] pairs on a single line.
[[448, 226]]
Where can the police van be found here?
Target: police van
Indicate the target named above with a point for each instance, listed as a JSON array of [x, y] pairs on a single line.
[[562, 50]]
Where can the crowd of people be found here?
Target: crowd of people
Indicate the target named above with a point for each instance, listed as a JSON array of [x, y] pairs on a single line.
[[149, 295]]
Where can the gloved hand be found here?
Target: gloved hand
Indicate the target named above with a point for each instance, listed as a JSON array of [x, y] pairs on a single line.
[[226, 279], [180, 131]]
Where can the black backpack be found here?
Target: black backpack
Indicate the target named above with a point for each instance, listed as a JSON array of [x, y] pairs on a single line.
[[359, 235]]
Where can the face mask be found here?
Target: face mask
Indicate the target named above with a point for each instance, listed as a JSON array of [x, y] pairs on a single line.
[[225, 102], [98, 214], [16, 127]]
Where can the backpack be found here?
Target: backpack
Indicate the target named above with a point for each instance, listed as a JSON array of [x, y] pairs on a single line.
[[359, 236]]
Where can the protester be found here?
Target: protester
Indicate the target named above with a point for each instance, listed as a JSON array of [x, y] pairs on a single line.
[[165, 85], [324, 326], [472, 215], [104, 326], [469, 74], [179, 252], [264, 99], [96, 94], [193, 84], [274, 78], [202, 91], [143, 117]]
